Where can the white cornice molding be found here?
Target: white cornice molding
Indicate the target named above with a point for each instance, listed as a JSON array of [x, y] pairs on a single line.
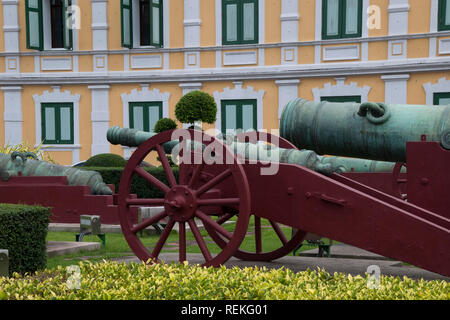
[[341, 89], [337, 69]]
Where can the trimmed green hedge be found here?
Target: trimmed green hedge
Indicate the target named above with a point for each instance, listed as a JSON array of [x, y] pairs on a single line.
[[139, 186], [121, 281], [23, 230], [106, 160]]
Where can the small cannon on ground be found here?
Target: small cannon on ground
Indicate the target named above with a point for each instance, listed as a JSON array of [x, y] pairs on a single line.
[[70, 192], [310, 196]]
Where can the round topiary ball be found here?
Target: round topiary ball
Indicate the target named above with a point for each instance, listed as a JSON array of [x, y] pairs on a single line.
[[106, 160], [164, 124], [196, 106]]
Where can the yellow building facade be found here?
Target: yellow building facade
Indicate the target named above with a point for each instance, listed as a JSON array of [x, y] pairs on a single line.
[[71, 69]]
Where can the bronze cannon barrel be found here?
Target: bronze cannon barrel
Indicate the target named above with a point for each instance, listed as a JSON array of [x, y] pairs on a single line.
[[12, 165], [252, 151], [369, 130]]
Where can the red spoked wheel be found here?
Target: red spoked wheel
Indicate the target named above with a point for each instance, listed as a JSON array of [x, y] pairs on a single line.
[[287, 245], [399, 184], [183, 202]]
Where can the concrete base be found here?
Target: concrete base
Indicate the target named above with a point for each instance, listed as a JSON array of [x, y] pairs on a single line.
[[344, 251], [59, 248], [106, 228]]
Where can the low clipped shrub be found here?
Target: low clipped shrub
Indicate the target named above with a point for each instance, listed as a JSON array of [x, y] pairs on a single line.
[[139, 185], [196, 106], [23, 230], [121, 281], [106, 160], [164, 124]]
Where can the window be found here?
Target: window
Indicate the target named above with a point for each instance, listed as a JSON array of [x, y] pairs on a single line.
[[356, 99], [142, 23], [441, 99], [239, 114], [341, 19], [444, 15], [240, 21], [57, 123], [144, 115], [47, 24]]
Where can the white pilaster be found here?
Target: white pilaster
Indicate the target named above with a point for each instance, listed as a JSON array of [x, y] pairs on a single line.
[[11, 25], [289, 30], [398, 25], [396, 89], [433, 27], [11, 34], [287, 91], [100, 118], [13, 114], [192, 23], [100, 33]]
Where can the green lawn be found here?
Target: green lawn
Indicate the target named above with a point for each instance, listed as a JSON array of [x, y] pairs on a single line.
[[116, 245]]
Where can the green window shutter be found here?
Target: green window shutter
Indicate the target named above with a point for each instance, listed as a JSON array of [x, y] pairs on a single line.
[[444, 15], [441, 99], [356, 99], [126, 15], [35, 33], [341, 19], [156, 23], [239, 21], [68, 37], [57, 123], [239, 114], [144, 115]]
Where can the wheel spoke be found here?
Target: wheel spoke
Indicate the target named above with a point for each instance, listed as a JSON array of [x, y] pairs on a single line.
[[258, 241], [182, 241], [200, 241], [279, 232], [225, 218], [166, 165], [218, 202], [213, 182], [145, 202], [198, 169], [207, 220], [149, 222], [163, 238], [147, 176]]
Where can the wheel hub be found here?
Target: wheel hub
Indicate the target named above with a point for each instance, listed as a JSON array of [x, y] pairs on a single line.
[[180, 203]]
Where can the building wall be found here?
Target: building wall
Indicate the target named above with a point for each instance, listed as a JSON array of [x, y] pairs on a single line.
[[396, 63]]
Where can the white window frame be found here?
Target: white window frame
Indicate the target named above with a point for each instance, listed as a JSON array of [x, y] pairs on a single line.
[[143, 95], [137, 24], [442, 85], [239, 93], [47, 28], [57, 96]]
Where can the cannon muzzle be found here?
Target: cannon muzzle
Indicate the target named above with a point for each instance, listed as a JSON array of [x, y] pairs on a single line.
[[252, 151], [369, 130], [19, 164]]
